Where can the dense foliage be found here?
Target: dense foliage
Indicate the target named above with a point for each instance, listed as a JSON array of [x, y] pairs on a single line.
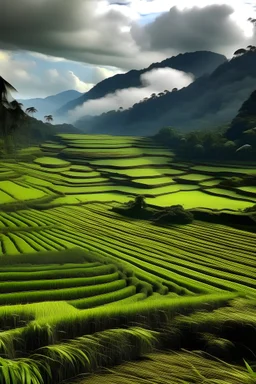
[[175, 214], [210, 100], [209, 145]]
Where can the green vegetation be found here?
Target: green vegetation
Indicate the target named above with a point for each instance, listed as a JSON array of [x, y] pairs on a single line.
[[51, 162], [87, 283], [175, 367], [236, 144]]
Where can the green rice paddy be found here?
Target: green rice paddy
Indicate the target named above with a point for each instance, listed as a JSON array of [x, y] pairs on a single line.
[[51, 162], [82, 287]]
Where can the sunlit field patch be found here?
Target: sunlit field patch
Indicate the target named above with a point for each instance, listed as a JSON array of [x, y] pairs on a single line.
[[19, 192], [193, 199], [194, 177], [224, 170], [51, 162]]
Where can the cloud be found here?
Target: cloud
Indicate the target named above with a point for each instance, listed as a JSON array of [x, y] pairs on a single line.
[[48, 58], [23, 75], [108, 33], [101, 73], [212, 28], [91, 31], [154, 81]]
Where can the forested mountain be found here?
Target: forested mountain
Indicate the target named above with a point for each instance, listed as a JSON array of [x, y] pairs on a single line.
[[245, 120], [197, 63], [50, 104], [211, 100], [30, 131]]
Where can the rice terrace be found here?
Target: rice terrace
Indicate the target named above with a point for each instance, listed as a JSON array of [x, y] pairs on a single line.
[[89, 283]]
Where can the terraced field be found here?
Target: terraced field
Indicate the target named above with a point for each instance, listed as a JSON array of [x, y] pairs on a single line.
[[83, 167], [82, 287]]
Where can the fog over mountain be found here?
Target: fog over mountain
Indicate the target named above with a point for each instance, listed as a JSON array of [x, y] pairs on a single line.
[[154, 81]]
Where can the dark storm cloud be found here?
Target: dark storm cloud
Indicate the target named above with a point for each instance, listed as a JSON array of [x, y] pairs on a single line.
[[97, 31], [74, 30], [191, 29]]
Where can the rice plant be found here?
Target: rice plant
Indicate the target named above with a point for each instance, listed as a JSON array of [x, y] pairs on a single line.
[[173, 368], [89, 353], [21, 371]]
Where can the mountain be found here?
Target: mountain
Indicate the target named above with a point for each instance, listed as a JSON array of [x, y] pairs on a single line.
[[32, 131], [212, 99], [50, 104], [197, 63], [245, 119]]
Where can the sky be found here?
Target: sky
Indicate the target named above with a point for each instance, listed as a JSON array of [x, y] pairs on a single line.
[[49, 46]]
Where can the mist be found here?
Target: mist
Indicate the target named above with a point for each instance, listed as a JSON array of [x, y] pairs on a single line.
[[154, 81]]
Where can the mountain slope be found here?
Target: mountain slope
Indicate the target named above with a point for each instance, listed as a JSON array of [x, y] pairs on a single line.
[[32, 131], [50, 104], [244, 120], [209, 101], [197, 63]]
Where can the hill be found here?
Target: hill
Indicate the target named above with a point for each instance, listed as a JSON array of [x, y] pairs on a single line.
[[210, 100], [35, 131], [50, 104], [32, 131], [245, 120], [197, 63]]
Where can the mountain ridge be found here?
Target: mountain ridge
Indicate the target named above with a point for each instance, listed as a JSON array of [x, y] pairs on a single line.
[[49, 105], [197, 63], [210, 100]]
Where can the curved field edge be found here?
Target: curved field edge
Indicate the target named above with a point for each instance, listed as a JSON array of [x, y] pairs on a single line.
[[174, 366], [91, 352]]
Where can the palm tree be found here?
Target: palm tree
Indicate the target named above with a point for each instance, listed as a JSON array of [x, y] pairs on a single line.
[[239, 51], [253, 21], [48, 118], [31, 110], [11, 113], [5, 88]]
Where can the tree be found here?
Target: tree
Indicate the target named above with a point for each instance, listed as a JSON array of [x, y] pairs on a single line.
[[239, 52], [48, 118], [138, 203], [251, 48], [253, 21], [11, 113], [31, 110], [174, 89], [174, 214], [168, 136], [5, 88]]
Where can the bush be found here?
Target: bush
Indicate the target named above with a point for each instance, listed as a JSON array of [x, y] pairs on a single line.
[[175, 214], [251, 209], [137, 204], [232, 182]]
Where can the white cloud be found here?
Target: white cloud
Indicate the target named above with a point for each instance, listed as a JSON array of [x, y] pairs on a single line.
[[48, 58], [213, 27], [22, 75], [154, 81], [102, 73]]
